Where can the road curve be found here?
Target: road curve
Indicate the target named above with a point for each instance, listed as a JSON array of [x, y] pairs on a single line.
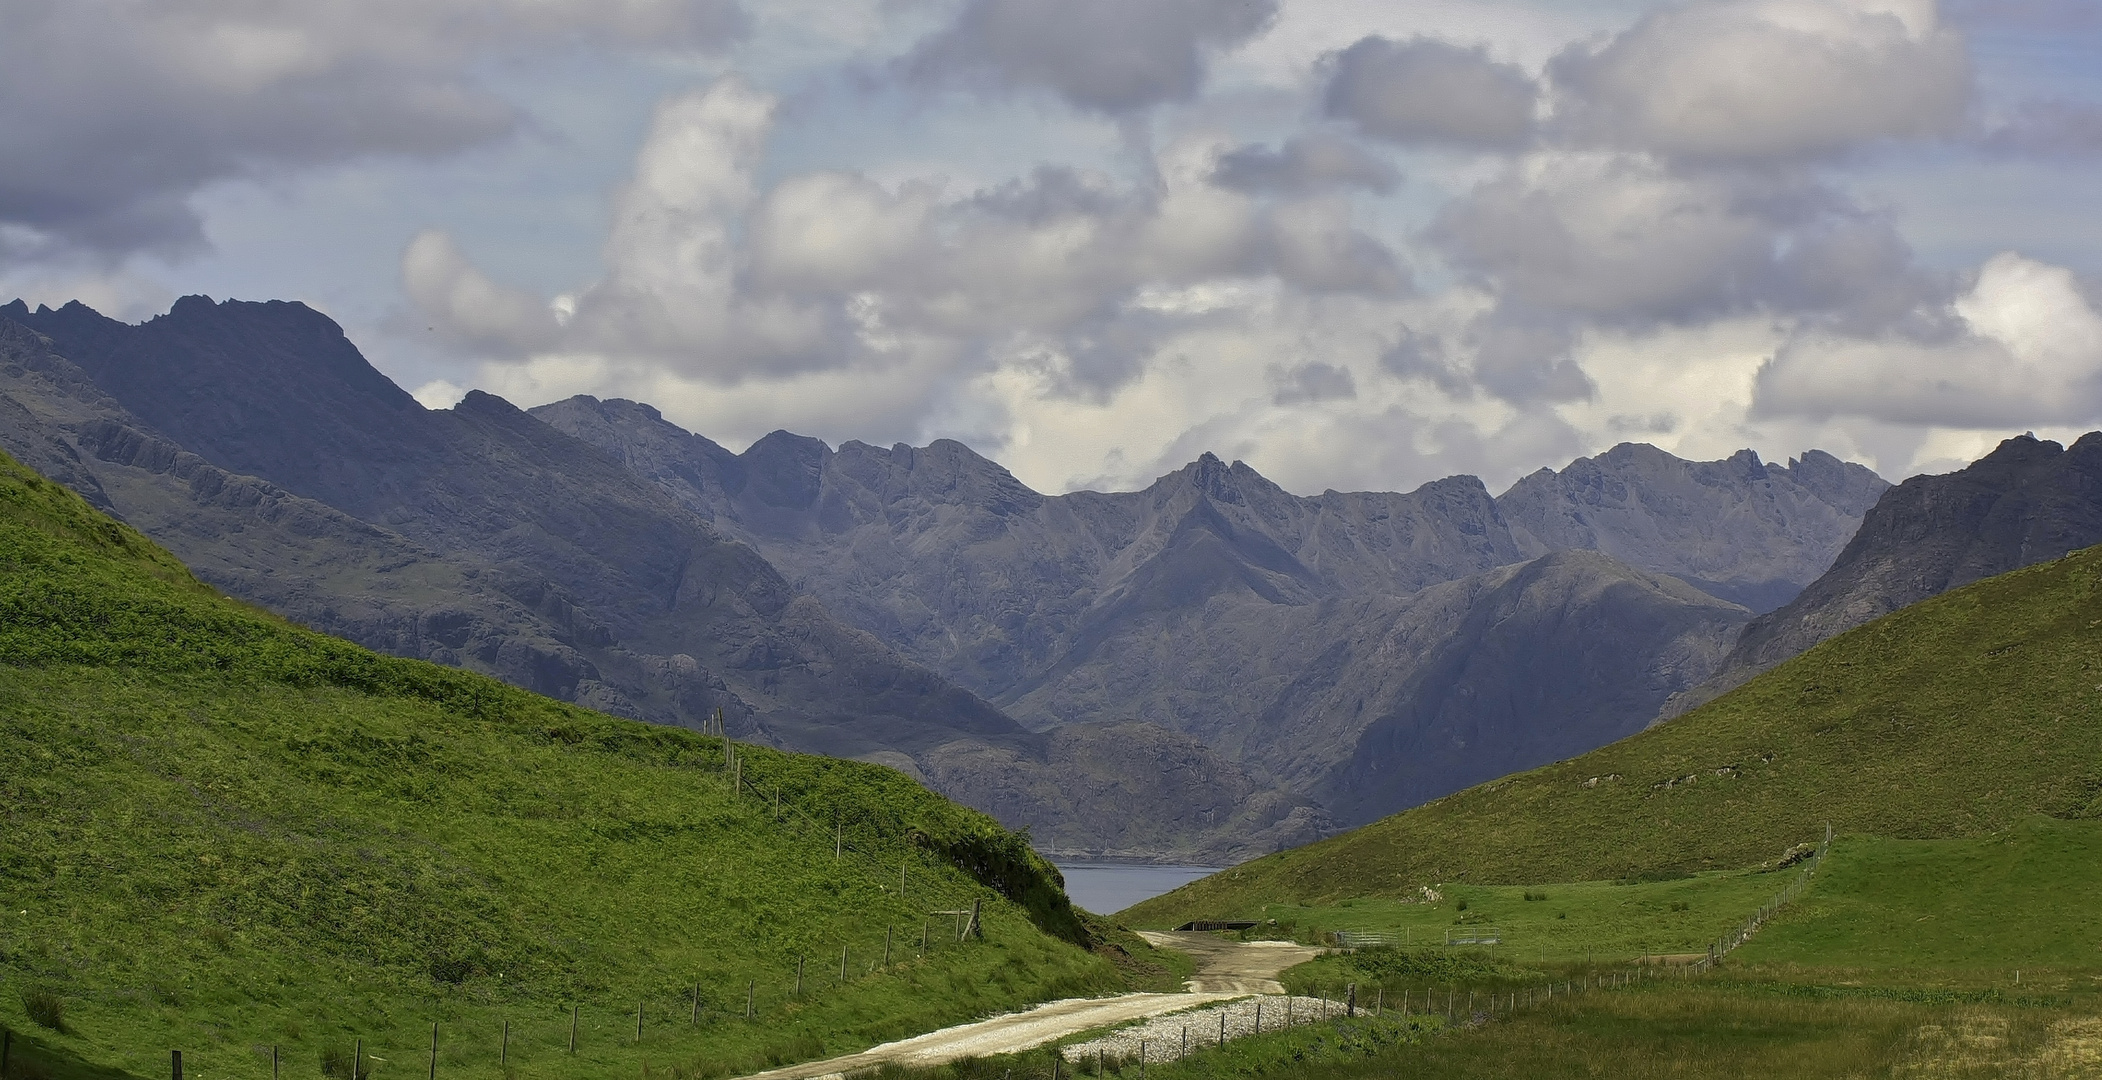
[[1225, 970]]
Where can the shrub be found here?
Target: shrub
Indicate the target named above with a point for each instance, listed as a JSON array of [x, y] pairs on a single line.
[[1531, 895], [336, 1064], [45, 1008]]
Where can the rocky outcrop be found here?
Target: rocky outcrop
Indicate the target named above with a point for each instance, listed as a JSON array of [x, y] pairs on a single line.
[[1751, 533], [2029, 501]]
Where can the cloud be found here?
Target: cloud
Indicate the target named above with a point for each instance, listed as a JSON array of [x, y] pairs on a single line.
[[2021, 348], [440, 281], [1426, 91], [121, 111], [1763, 80], [1104, 56], [1311, 382], [1304, 165], [2047, 129], [719, 278], [1633, 237]]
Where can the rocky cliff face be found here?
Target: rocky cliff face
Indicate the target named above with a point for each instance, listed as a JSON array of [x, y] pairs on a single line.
[[1298, 636], [1748, 532], [2027, 502]]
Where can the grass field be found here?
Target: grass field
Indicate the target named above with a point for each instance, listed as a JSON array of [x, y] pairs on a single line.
[[223, 834], [1956, 717], [1601, 920], [1959, 913]]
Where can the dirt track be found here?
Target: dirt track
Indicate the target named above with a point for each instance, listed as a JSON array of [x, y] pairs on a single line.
[[1225, 970]]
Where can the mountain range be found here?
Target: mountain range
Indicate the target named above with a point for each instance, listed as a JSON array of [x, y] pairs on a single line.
[[1371, 649], [1207, 668]]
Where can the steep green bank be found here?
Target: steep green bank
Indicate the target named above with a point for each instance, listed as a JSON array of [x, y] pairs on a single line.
[[1955, 717], [223, 834]]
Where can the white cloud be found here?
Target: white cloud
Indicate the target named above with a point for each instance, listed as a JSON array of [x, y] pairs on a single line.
[[1768, 79], [2025, 350]]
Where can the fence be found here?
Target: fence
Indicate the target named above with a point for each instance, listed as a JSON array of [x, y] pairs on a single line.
[[1744, 931]]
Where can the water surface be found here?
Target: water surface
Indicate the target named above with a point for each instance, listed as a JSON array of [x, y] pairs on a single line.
[[1106, 887]]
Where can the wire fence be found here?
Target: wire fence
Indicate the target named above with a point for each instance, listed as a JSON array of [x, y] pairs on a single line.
[[1743, 932]]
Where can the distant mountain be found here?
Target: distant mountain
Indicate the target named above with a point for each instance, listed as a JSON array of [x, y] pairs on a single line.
[[1280, 630], [2029, 501], [256, 443], [1748, 532]]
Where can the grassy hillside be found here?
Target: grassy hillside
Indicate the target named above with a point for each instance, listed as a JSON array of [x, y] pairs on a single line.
[[1955, 717], [221, 834]]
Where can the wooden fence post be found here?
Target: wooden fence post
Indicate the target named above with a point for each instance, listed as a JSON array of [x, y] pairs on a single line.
[[573, 1029], [503, 1049], [434, 1050], [175, 1063], [751, 989], [799, 976], [357, 1060], [888, 931], [842, 963], [638, 1022]]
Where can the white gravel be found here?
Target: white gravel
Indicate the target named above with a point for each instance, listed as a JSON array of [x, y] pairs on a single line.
[[1162, 1036]]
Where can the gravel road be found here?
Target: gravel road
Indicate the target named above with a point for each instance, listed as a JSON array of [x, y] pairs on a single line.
[[1226, 970]]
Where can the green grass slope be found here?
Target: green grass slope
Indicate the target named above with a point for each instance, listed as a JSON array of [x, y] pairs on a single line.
[[220, 833], [1964, 913], [1956, 717]]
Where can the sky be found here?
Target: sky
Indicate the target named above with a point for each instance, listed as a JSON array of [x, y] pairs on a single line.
[[1359, 244]]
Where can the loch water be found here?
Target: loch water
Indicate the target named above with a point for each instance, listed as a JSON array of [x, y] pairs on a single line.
[[1107, 887]]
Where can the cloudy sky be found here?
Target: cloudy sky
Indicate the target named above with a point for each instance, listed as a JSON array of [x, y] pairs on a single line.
[[1357, 243]]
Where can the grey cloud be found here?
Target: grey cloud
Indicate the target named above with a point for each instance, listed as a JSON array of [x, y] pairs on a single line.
[[1313, 245], [1429, 91], [1416, 355], [1627, 239], [1527, 356], [1303, 165], [1311, 383], [119, 112], [1104, 56], [1729, 80]]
